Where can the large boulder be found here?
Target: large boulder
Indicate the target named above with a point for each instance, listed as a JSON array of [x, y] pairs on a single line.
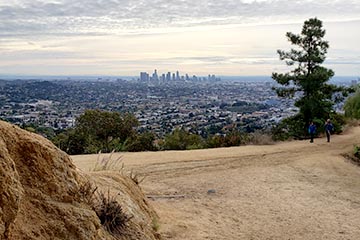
[[41, 194]]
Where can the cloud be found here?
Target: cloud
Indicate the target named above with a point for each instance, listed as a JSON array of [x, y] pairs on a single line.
[[27, 18]]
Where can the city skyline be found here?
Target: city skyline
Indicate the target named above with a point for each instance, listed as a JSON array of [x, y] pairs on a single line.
[[123, 38], [174, 76]]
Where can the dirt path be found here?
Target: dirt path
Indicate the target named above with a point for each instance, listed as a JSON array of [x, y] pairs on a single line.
[[293, 190]]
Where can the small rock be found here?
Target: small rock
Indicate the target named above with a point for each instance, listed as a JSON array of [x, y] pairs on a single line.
[[211, 191]]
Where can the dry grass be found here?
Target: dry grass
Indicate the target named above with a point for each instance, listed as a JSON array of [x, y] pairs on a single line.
[[108, 163], [350, 123], [86, 192], [353, 122], [136, 178], [258, 138]]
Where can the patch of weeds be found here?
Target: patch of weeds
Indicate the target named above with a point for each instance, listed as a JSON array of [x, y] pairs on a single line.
[[357, 151], [110, 213], [106, 163], [155, 225], [86, 192]]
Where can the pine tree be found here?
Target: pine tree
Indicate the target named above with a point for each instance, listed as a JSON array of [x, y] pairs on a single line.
[[308, 77]]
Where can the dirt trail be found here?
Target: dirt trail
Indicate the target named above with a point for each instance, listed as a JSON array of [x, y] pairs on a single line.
[[293, 190]]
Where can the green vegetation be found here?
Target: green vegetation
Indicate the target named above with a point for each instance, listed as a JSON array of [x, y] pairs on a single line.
[[352, 106], [104, 131], [180, 139], [232, 138], [245, 107], [357, 151], [47, 132], [308, 78], [155, 225], [101, 132]]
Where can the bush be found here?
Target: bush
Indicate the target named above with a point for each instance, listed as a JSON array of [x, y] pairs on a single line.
[[352, 106], [231, 138], [110, 213], [141, 142], [180, 139], [339, 121], [292, 127], [108, 210], [357, 151]]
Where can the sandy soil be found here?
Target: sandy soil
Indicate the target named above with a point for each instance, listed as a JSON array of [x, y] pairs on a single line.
[[293, 190]]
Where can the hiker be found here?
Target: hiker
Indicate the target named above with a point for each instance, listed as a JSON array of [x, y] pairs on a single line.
[[312, 130], [328, 129]]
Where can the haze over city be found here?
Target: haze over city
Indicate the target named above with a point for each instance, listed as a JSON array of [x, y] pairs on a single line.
[[123, 38]]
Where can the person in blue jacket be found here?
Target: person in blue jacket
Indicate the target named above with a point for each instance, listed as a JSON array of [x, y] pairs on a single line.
[[328, 129], [312, 131]]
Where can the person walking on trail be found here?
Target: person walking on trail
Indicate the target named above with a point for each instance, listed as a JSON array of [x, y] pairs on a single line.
[[328, 129], [312, 131]]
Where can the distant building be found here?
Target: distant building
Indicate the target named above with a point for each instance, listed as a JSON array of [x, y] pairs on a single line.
[[144, 77], [155, 76], [168, 76]]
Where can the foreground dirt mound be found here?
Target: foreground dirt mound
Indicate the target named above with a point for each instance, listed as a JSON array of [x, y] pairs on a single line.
[[41, 197]]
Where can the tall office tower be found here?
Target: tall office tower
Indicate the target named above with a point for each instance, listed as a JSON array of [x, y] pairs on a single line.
[[163, 77], [177, 76], [144, 77], [155, 76], [168, 76], [173, 77], [187, 77]]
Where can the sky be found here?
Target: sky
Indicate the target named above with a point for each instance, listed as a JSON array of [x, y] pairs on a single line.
[[201, 37]]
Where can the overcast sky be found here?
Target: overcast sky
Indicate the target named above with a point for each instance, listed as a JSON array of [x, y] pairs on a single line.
[[124, 37]]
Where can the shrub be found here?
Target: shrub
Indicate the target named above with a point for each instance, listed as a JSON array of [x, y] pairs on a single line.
[[110, 213], [292, 127], [352, 106], [141, 142], [357, 151], [108, 210], [180, 139], [338, 120]]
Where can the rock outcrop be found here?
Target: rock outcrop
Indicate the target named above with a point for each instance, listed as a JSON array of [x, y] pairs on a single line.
[[40, 194]]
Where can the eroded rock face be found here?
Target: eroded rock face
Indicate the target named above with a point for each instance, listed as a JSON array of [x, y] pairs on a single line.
[[39, 194], [37, 185]]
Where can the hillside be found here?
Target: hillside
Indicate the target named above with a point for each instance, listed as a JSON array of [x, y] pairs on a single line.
[[292, 190], [44, 196]]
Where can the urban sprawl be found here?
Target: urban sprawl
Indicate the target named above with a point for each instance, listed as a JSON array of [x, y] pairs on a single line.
[[160, 103]]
